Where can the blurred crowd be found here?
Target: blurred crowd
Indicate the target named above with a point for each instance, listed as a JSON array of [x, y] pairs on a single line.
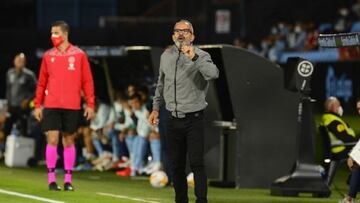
[[119, 138], [302, 36]]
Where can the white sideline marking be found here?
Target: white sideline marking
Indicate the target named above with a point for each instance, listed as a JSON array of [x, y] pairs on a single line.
[[126, 197], [29, 196]]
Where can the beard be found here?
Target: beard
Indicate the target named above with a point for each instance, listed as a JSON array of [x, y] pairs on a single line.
[[181, 41]]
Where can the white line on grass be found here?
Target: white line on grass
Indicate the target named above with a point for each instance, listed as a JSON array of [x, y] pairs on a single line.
[[29, 196], [126, 197]]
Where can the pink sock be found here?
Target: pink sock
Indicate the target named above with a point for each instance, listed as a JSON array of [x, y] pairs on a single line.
[[69, 161], [51, 158]]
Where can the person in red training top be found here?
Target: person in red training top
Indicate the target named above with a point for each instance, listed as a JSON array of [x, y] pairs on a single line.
[[64, 74]]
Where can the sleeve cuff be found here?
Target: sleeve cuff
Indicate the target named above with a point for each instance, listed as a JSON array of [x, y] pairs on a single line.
[[155, 108], [92, 106], [195, 57]]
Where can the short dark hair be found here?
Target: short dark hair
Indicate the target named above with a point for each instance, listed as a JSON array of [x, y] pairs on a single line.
[[62, 24], [20, 54], [135, 96]]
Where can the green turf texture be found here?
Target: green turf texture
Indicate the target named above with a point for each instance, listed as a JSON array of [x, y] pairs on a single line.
[[33, 181], [87, 184]]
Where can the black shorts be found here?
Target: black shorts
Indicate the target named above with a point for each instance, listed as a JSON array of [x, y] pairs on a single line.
[[64, 120]]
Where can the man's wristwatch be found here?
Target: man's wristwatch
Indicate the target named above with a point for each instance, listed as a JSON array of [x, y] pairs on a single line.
[[195, 57]]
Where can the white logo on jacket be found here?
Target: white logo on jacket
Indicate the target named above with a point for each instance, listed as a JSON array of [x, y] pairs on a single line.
[[71, 61]]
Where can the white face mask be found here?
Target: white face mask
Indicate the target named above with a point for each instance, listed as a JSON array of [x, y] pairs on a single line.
[[298, 29], [340, 111], [344, 12]]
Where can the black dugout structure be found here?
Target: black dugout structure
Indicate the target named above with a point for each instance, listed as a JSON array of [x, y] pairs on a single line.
[[250, 92]]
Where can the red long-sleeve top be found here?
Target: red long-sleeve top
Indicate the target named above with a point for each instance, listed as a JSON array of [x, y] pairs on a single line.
[[62, 77]]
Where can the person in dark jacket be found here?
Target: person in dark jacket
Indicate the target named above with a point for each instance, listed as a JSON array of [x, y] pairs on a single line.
[[20, 90]]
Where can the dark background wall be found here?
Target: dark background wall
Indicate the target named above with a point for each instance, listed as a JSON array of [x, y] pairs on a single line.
[[251, 18]]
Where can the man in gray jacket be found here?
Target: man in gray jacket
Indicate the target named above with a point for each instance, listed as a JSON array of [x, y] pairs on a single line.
[[183, 81], [20, 90]]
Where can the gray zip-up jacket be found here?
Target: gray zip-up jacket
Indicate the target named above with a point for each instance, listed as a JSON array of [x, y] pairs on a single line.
[[20, 86], [182, 83]]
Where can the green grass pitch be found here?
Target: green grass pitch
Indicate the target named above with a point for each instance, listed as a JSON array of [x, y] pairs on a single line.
[[88, 185]]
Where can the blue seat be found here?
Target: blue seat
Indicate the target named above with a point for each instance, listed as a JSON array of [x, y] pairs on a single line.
[[355, 27], [325, 26]]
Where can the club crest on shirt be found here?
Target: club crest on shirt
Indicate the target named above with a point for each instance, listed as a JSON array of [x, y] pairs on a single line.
[[71, 61]]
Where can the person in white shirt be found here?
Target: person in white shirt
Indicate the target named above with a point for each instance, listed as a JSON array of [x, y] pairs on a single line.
[[121, 120], [138, 144], [101, 120]]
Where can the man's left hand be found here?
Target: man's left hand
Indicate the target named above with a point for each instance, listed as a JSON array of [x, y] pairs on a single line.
[[89, 113], [189, 51]]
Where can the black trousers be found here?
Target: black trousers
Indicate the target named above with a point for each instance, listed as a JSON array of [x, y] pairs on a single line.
[[19, 117], [186, 136]]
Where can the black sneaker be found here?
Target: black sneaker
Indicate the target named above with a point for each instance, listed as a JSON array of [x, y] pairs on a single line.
[[68, 187], [54, 187]]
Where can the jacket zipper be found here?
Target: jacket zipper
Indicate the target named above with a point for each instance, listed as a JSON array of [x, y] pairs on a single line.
[[176, 65]]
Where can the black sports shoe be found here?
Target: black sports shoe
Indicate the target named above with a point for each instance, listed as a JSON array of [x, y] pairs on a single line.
[[54, 187], [68, 187]]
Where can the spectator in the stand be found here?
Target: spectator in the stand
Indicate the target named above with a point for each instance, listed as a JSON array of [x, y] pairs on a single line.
[[85, 131], [278, 46], [283, 28], [85, 148], [252, 48], [297, 37], [20, 90], [119, 122], [155, 147], [343, 20], [312, 36], [265, 45], [137, 145], [143, 91], [303, 36], [240, 42], [97, 125], [131, 90], [126, 126]]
